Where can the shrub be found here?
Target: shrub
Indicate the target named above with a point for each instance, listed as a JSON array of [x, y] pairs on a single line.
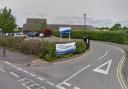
[[81, 47]]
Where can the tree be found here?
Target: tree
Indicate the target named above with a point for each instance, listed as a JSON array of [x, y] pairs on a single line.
[[7, 20], [125, 28], [116, 26], [43, 25]]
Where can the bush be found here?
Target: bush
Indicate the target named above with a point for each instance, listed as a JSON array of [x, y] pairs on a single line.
[[81, 47]]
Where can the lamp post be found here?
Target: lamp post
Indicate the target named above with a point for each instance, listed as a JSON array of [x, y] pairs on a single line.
[[85, 21]]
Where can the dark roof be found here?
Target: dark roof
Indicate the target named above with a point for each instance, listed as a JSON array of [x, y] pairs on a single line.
[[33, 24]]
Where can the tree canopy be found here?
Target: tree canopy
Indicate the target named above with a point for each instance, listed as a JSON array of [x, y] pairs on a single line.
[[43, 25], [116, 26], [7, 20]]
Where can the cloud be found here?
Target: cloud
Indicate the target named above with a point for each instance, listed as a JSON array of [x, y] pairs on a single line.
[[124, 22], [68, 20], [80, 20], [101, 22]]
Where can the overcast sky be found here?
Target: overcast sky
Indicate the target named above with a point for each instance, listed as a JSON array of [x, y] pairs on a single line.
[[99, 12]]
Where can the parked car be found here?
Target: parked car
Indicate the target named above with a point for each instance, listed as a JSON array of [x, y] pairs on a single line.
[[41, 35], [30, 34], [19, 35], [35, 34]]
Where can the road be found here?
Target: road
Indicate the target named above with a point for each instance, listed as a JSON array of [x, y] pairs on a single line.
[[98, 69]]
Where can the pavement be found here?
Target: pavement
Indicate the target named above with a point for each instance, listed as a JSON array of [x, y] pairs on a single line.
[[99, 69], [16, 57]]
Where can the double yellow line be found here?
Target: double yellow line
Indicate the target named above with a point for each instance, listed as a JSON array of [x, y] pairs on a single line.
[[120, 68], [119, 71]]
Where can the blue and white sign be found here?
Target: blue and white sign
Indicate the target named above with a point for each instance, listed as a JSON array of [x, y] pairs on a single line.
[[65, 30], [65, 48]]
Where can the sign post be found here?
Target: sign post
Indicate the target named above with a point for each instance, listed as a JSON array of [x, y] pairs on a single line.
[[65, 31], [69, 37]]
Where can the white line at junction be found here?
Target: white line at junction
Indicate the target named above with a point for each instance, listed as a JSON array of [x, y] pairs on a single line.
[[14, 74], [73, 75]]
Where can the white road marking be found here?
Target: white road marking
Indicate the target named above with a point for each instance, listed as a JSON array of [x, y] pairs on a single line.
[[76, 88], [25, 71], [99, 70], [106, 53], [41, 87], [40, 78], [67, 84], [22, 80], [64, 82], [14, 74], [19, 68], [33, 75], [28, 82], [33, 85], [50, 83], [7, 62], [14, 66], [75, 74], [60, 87], [2, 70]]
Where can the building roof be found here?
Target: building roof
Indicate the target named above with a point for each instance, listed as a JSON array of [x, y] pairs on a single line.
[[34, 24]]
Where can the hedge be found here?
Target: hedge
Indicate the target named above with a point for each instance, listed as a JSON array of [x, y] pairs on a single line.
[[108, 36], [43, 49]]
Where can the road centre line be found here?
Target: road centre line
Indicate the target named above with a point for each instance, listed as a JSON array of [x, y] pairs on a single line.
[[40, 78], [7, 62], [2, 70], [14, 66], [74, 75], [33, 75], [14, 74], [50, 83], [106, 53], [19, 68], [25, 71]]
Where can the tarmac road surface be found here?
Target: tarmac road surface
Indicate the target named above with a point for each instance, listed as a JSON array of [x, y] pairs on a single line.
[[98, 69]]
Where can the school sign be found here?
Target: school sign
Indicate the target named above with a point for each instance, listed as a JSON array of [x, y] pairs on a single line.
[[65, 48]]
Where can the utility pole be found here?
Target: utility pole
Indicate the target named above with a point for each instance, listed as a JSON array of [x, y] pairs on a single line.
[[85, 21]]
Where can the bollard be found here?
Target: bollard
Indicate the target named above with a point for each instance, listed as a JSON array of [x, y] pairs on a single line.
[[4, 52], [87, 41]]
